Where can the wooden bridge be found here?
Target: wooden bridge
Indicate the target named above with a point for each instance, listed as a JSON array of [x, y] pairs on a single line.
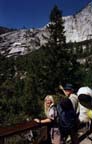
[[20, 131]]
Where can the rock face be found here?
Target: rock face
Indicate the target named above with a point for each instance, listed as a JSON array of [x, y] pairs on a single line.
[[22, 41], [78, 28]]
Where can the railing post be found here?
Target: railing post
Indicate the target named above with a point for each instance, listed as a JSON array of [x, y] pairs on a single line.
[[1, 140]]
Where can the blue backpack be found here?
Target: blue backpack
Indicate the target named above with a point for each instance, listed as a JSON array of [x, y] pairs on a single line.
[[66, 118]]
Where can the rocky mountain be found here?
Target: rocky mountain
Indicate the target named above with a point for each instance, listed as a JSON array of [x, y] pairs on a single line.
[[78, 28], [22, 41], [5, 30]]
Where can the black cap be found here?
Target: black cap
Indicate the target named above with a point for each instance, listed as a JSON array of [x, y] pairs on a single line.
[[68, 86]]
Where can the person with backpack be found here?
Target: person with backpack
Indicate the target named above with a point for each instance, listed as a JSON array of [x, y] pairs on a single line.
[[67, 120], [69, 92], [51, 114]]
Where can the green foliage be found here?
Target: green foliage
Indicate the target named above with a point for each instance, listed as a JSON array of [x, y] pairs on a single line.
[[9, 103]]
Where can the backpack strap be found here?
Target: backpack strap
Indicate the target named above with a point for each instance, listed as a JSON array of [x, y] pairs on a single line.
[[59, 108]]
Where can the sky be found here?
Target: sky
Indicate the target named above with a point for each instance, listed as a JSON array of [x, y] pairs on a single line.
[[35, 13]]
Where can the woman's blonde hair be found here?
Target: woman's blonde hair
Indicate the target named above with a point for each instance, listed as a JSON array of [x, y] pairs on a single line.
[[46, 109]]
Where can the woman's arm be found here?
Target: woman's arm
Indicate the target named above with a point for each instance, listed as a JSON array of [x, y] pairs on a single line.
[[47, 120]]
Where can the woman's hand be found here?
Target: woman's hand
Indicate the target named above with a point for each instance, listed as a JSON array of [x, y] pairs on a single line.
[[37, 120]]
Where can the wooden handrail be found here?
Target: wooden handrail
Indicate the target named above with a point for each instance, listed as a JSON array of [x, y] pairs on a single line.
[[17, 129], [24, 126]]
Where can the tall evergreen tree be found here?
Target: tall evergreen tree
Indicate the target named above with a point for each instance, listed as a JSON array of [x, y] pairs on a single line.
[[56, 47], [56, 27]]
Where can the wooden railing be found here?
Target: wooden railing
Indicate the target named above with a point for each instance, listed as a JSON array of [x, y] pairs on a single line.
[[6, 132], [17, 129]]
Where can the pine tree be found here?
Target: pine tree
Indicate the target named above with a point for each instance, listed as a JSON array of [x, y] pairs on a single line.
[[56, 47], [56, 27]]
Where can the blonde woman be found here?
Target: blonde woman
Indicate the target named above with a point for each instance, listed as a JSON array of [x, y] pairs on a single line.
[[51, 114]]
